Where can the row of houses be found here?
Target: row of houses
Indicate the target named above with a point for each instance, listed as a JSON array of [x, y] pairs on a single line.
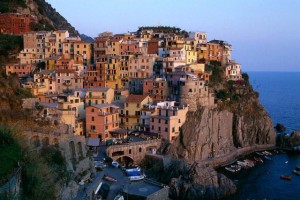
[[142, 81]]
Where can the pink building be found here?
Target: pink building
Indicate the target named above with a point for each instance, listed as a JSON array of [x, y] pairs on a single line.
[[168, 119], [156, 88], [141, 66], [101, 119]]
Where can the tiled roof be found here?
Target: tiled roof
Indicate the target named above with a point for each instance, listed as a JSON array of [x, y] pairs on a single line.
[[135, 98]]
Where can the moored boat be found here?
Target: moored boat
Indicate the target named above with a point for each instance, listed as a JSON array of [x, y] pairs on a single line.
[[243, 164], [267, 153], [257, 159], [249, 162], [267, 157], [259, 153], [136, 178], [284, 177], [109, 178], [296, 172], [233, 168]]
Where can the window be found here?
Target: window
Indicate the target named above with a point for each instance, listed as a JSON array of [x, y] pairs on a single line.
[[140, 149], [166, 129], [159, 128], [179, 121], [129, 151], [93, 127], [92, 110], [93, 119], [166, 121], [152, 128], [173, 129], [152, 119], [158, 120]]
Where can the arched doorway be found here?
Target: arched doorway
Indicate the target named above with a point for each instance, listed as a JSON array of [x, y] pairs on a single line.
[[125, 160], [45, 141], [35, 141]]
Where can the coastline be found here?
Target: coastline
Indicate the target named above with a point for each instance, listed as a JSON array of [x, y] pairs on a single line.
[[232, 156]]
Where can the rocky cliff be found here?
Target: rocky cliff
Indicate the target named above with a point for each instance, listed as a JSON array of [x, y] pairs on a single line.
[[210, 137], [232, 125]]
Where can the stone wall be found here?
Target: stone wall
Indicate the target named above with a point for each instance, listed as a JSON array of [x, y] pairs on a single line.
[[29, 103], [72, 147]]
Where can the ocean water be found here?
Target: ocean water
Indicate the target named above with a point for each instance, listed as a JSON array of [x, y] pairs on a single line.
[[280, 95]]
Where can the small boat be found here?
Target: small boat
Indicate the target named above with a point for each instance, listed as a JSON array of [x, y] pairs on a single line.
[[286, 162], [276, 151], [233, 168], [136, 178], [296, 172], [119, 197], [288, 178], [109, 178], [258, 159], [243, 164], [259, 153], [249, 162], [267, 157], [267, 153], [115, 163], [98, 188], [133, 169]]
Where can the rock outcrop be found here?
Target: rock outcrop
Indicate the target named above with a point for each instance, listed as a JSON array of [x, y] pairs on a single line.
[[211, 133], [201, 183]]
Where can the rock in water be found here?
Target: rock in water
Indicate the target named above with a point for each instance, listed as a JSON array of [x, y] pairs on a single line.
[[280, 128]]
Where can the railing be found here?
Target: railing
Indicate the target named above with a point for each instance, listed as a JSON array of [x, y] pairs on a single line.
[[134, 143]]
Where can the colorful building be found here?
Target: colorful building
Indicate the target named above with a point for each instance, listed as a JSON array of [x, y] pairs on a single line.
[[168, 120], [100, 119], [132, 108], [20, 69]]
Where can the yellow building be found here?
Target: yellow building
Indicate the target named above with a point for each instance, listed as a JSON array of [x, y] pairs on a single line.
[[83, 52], [51, 62], [191, 54], [132, 108], [60, 36], [111, 71], [95, 96], [44, 82], [113, 47]]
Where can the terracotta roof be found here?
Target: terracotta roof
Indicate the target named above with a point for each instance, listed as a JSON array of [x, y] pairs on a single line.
[[135, 98]]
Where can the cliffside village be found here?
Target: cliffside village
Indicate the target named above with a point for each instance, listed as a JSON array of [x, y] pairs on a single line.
[[144, 81]]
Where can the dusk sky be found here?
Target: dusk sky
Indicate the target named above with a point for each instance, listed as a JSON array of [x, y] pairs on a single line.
[[265, 34]]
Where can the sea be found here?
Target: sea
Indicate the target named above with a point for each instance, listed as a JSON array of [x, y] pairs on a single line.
[[279, 93]]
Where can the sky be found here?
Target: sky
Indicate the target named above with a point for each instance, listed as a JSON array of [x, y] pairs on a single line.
[[265, 34]]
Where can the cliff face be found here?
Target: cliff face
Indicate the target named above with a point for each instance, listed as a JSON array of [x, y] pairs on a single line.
[[212, 133], [201, 183]]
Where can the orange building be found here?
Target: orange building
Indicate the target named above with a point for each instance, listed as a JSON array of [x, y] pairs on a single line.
[[100, 119], [20, 69]]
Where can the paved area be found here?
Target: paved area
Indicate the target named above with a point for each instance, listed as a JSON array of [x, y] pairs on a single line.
[[117, 173]]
